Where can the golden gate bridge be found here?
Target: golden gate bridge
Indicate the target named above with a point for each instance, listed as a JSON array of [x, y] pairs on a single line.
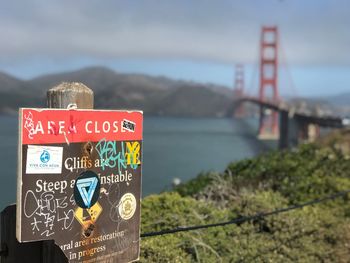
[[276, 115]]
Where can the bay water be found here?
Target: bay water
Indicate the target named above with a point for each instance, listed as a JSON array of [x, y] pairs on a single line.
[[173, 148]]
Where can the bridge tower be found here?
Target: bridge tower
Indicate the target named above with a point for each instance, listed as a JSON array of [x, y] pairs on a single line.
[[238, 89], [268, 90]]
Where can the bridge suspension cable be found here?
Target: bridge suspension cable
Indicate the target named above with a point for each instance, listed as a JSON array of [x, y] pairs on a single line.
[[290, 80]]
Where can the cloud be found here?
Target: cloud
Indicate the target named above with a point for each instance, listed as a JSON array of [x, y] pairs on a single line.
[[312, 32]]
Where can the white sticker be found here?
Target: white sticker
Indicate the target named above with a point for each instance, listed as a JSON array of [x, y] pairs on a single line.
[[44, 160], [127, 206]]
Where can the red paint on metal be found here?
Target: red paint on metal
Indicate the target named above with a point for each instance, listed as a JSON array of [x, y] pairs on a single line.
[[269, 79], [42, 126]]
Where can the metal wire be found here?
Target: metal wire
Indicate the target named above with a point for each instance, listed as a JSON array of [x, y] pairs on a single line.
[[240, 220]]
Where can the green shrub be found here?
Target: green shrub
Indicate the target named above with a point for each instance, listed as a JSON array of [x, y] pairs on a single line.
[[195, 185], [319, 233]]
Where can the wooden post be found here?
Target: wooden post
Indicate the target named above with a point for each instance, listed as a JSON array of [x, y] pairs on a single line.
[[64, 95], [12, 250]]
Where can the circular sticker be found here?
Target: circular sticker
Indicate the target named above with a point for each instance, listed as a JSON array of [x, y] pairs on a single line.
[[127, 206], [87, 189]]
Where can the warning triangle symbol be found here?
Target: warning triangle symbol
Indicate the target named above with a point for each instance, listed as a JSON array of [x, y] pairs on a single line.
[[86, 215], [87, 187]]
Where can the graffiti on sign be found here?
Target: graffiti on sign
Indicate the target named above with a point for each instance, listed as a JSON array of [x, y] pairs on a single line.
[[79, 182]]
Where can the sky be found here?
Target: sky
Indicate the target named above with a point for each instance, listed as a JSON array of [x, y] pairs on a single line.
[[198, 40]]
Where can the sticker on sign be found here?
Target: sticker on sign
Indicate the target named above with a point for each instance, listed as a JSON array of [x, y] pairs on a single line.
[[128, 125], [79, 182], [44, 160]]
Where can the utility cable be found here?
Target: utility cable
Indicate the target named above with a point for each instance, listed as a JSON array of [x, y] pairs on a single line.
[[240, 220]]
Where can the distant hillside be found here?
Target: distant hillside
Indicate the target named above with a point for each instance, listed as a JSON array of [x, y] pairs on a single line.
[[154, 95], [342, 99], [8, 83], [12, 94], [341, 102]]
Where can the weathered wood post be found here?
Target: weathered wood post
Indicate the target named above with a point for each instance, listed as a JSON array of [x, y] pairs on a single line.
[[62, 96], [67, 94]]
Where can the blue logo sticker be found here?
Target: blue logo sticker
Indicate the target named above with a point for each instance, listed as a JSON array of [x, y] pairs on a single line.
[[45, 156], [87, 189]]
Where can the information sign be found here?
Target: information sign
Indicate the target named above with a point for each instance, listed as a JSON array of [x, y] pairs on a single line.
[[79, 182]]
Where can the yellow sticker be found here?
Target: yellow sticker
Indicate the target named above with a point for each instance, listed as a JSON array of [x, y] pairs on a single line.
[[88, 216]]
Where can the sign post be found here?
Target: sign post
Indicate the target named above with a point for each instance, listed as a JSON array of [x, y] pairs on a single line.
[[79, 179]]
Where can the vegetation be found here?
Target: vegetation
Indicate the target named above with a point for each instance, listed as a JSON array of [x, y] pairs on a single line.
[[319, 233]]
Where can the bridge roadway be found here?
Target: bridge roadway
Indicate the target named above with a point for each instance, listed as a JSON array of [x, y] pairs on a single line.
[[305, 121], [322, 120]]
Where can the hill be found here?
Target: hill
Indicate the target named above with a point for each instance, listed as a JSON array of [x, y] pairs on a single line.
[[153, 95], [341, 102], [340, 99]]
